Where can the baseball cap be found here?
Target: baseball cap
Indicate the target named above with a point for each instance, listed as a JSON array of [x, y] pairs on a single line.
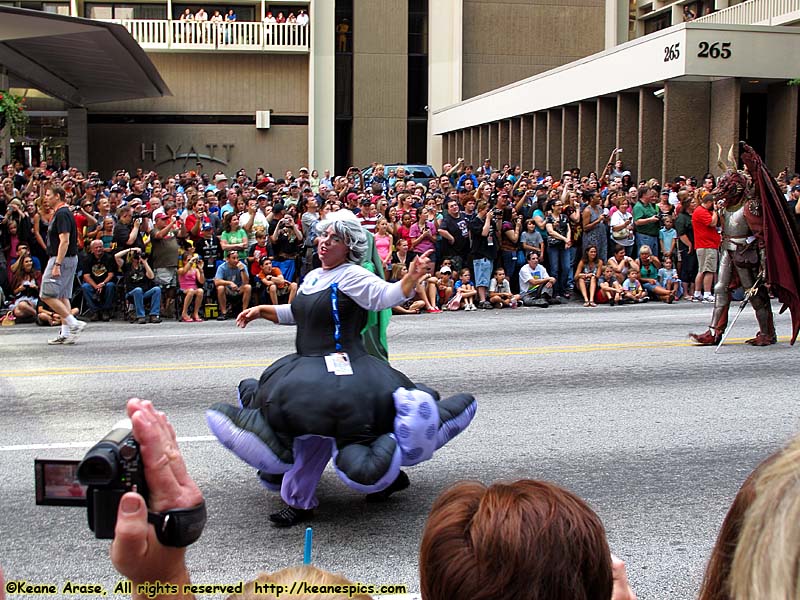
[[352, 196], [278, 207], [796, 188], [301, 169], [207, 227], [445, 270], [220, 177], [159, 214]]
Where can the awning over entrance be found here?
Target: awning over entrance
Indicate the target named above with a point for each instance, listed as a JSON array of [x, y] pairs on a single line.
[[79, 61]]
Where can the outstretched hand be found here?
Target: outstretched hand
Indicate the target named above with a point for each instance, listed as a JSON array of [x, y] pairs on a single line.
[[136, 552], [251, 314], [420, 266]]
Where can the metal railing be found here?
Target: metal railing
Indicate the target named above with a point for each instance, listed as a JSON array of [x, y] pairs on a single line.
[[756, 12], [164, 34]]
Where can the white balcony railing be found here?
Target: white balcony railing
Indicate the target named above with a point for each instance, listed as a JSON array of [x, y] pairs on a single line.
[[756, 12], [154, 34]]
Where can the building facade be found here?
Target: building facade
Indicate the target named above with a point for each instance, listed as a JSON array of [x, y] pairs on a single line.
[[534, 82], [354, 85], [675, 80]]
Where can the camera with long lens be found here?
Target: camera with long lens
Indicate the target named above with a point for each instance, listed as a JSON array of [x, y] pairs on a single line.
[[111, 468]]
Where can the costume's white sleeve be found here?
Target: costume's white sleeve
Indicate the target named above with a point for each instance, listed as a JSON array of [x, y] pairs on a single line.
[[285, 314], [370, 291]]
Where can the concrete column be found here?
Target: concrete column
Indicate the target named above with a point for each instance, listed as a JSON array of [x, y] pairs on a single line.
[[78, 138], [686, 118], [444, 154], [651, 134], [781, 127], [628, 130], [5, 134], [606, 131], [494, 147], [503, 142], [723, 122], [569, 137], [554, 141], [444, 63], [380, 46], [587, 136], [475, 153], [540, 140], [459, 144], [526, 142], [515, 141], [321, 87], [484, 145]]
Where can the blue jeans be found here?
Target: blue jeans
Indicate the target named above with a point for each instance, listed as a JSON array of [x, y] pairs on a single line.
[[643, 239], [559, 268], [571, 251], [153, 294], [108, 296]]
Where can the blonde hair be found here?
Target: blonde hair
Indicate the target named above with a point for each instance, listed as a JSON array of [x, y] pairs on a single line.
[[309, 574], [767, 559]]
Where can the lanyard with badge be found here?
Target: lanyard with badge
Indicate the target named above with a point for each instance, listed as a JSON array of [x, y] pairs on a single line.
[[338, 362]]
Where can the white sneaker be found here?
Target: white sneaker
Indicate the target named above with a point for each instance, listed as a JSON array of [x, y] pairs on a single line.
[[708, 299], [61, 340], [76, 329]]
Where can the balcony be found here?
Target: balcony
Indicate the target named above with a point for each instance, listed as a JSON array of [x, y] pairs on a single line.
[[237, 36], [756, 12]]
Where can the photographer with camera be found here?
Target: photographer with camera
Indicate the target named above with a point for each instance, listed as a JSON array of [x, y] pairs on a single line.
[[197, 218], [287, 241], [139, 284], [129, 228]]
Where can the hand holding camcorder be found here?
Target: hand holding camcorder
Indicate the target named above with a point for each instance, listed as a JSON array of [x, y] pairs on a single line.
[[140, 455]]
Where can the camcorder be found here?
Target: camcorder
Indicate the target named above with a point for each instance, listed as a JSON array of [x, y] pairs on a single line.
[[111, 468]]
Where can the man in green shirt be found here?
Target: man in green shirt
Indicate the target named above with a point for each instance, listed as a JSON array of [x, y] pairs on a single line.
[[645, 217]]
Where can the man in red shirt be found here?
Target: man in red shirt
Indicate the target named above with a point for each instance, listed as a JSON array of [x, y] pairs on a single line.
[[706, 241]]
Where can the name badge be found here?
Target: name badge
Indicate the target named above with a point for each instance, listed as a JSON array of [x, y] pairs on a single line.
[[338, 363]]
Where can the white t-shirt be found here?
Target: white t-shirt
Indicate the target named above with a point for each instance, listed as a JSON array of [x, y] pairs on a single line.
[[505, 287], [526, 274], [259, 222]]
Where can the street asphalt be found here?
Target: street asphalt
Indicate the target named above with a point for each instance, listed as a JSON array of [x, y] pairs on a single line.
[[613, 403]]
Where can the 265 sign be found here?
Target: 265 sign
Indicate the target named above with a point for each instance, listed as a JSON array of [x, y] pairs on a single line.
[[714, 50]]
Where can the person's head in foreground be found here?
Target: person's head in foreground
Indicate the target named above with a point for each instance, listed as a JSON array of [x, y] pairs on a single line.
[[757, 554], [767, 559], [527, 540]]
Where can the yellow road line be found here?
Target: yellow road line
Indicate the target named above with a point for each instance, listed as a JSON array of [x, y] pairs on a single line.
[[439, 355]]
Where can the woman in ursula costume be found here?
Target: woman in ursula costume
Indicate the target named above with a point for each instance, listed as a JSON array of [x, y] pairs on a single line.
[[332, 398]]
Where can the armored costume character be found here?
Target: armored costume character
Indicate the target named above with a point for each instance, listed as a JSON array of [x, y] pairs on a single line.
[[759, 249]]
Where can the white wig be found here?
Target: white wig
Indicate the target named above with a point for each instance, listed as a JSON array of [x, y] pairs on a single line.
[[347, 226]]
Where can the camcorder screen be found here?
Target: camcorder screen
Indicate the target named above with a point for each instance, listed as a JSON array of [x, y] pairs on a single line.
[[57, 483]]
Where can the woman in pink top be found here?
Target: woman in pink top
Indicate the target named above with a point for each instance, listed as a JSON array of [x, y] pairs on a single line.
[[191, 280], [383, 244], [423, 232]]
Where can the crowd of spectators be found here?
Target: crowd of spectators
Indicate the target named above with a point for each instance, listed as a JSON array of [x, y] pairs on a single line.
[[200, 244]]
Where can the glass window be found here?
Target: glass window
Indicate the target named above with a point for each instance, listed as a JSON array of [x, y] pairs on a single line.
[[99, 11]]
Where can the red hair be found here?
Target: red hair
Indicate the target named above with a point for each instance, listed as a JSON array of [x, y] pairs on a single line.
[[527, 540]]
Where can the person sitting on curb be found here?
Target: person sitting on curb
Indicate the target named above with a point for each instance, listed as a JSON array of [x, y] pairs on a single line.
[[535, 283], [232, 281], [139, 284]]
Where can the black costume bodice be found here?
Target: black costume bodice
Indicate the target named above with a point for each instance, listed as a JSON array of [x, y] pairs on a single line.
[[315, 324]]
